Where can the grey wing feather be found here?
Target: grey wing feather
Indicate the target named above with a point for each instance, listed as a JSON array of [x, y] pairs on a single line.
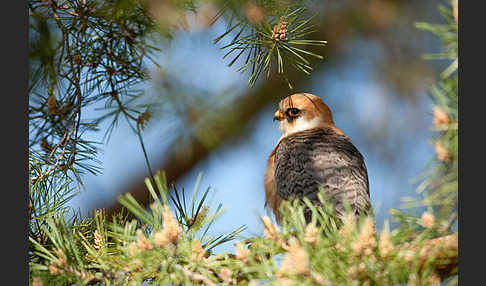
[[318, 157]]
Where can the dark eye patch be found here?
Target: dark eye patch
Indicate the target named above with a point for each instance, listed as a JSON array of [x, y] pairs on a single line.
[[292, 112]]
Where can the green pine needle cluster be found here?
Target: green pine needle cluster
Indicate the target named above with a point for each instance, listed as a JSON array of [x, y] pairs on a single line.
[[439, 182], [159, 246], [276, 39]]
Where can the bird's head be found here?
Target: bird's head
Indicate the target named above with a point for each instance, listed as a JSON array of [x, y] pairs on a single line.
[[302, 111]]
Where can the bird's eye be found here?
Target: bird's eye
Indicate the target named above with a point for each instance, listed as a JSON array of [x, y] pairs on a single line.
[[293, 112]]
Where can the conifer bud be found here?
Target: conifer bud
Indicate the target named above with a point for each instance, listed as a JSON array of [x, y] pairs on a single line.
[[142, 242], [270, 230], [348, 227], [160, 239], [197, 251], [241, 252], [171, 225], [427, 219], [366, 240], [441, 151], [54, 270], [311, 234], [133, 249], [295, 261], [98, 240], [225, 274], [385, 245], [280, 31], [440, 117]]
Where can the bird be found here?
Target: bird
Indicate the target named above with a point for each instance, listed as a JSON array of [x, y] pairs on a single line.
[[312, 152]]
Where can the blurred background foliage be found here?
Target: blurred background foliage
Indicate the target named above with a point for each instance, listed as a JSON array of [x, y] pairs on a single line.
[[117, 84]]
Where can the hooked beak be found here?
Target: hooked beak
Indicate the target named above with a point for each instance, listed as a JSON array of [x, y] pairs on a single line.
[[278, 115]]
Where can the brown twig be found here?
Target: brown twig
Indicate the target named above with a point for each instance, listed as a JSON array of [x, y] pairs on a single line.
[[195, 276]]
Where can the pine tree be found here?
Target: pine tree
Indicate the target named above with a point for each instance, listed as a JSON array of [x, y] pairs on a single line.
[[84, 53]]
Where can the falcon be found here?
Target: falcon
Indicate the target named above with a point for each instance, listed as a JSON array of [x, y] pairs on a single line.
[[313, 152]]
